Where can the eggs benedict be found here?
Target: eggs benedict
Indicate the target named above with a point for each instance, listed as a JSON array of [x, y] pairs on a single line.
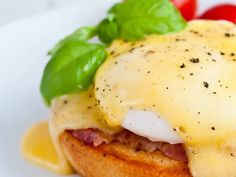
[[164, 105], [160, 101]]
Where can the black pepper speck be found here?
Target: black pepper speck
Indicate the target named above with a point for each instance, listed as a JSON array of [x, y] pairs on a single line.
[[182, 66], [208, 53], [206, 84], [194, 60], [222, 53]]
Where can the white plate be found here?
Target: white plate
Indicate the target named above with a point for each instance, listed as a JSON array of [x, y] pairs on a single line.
[[23, 47]]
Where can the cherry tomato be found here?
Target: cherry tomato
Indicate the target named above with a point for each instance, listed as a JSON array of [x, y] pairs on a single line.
[[221, 12], [187, 8]]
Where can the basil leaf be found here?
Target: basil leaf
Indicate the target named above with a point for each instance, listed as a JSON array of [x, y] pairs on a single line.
[[137, 18], [81, 34], [71, 69], [107, 31]]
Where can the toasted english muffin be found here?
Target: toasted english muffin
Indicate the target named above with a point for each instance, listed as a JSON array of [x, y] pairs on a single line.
[[118, 160]]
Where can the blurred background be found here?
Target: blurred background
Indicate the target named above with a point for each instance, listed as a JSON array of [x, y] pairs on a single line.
[[11, 10]]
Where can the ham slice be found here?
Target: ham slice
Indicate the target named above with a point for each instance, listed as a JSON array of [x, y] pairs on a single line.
[[96, 137], [91, 136]]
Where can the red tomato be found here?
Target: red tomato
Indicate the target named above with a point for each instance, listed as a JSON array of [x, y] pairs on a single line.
[[221, 12], [187, 8]]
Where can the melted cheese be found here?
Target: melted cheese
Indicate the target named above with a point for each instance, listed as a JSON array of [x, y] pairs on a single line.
[[187, 78], [74, 112], [79, 111], [37, 146], [212, 160]]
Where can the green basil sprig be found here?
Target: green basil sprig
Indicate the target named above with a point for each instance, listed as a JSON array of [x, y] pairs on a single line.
[[72, 68], [108, 31], [136, 18], [81, 34], [74, 60]]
